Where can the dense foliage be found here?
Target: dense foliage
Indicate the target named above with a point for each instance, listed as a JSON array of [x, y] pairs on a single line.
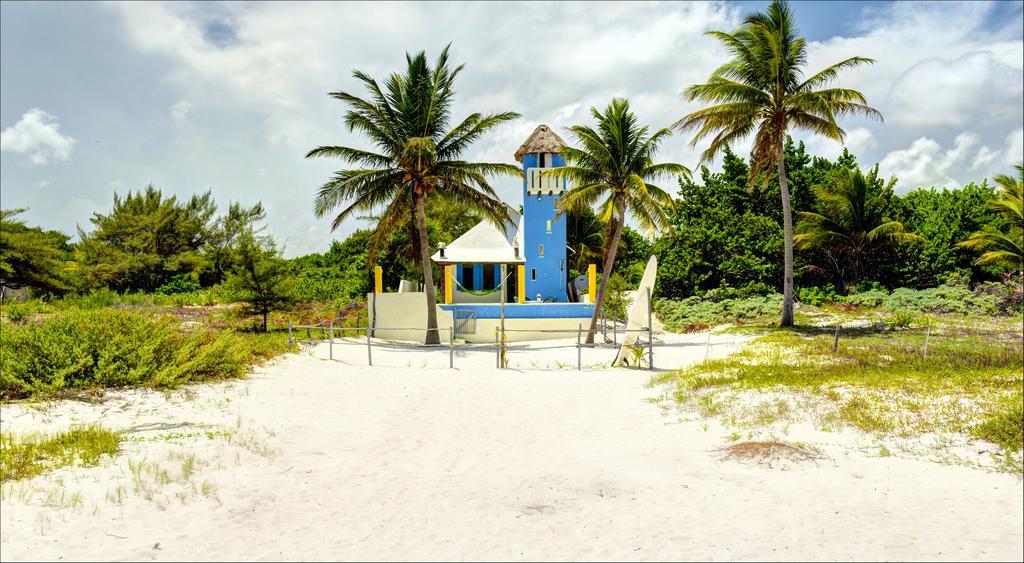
[[83, 348]]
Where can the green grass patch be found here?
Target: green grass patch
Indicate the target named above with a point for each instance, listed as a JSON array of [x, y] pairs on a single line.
[[25, 457], [877, 380]]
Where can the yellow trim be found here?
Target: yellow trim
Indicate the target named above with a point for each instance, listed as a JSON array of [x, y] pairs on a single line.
[[521, 283], [378, 279], [449, 279], [592, 282]]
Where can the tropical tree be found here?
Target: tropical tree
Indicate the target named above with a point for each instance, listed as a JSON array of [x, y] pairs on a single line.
[[260, 275], [998, 247], [584, 238], [614, 163], [145, 241], [30, 256], [851, 222], [762, 90], [417, 155]]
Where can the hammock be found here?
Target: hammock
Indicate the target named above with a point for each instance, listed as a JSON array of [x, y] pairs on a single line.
[[477, 292]]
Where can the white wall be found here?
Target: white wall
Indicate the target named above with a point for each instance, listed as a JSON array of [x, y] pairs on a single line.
[[393, 311]]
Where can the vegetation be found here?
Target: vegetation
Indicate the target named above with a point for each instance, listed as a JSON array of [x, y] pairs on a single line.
[[878, 380], [408, 122], [30, 256], [83, 349], [615, 163], [1004, 248], [25, 457], [851, 223], [762, 90], [260, 275]]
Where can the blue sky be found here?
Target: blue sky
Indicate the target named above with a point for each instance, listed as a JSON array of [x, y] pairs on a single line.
[[101, 97]]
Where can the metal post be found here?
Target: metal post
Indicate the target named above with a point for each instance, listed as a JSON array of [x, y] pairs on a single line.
[[369, 353], [927, 335], [650, 333], [835, 342], [289, 335], [579, 348], [497, 350], [451, 344], [330, 340]]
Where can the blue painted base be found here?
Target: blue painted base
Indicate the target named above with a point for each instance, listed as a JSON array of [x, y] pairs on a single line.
[[527, 310]]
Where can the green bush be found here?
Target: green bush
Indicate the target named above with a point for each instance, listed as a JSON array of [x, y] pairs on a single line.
[[816, 296], [869, 299], [942, 299], [679, 315], [182, 283], [78, 349]]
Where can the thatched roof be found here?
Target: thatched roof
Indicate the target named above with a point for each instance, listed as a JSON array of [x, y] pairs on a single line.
[[543, 139]]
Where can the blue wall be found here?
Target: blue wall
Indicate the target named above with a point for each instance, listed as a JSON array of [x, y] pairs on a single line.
[[527, 310], [551, 269]]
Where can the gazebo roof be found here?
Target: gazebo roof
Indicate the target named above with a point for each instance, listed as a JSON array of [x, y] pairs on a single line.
[[543, 139], [485, 243]]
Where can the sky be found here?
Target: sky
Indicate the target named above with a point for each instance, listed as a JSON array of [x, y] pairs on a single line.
[[104, 97]]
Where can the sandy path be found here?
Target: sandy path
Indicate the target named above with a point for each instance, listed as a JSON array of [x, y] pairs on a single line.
[[311, 459]]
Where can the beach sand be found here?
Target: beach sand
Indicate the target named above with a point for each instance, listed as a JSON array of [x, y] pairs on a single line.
[[315, 459]]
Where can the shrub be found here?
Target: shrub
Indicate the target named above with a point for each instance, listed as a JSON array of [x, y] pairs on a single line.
[[942, 299], [78, 349], [182, 283], [816, 296], [870, 298], [680, 315], [901, 319]]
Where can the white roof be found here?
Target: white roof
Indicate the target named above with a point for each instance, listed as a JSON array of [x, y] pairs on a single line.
[[485, 243]]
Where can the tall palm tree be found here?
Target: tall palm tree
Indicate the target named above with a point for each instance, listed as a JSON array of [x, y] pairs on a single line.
[[616, 162], [851, 222], [998, 247], [417, 155], [763, 91]]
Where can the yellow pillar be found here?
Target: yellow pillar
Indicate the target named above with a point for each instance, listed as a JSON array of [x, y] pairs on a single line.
[[592, 282], [378, 279], [521, 283], [449, 281]]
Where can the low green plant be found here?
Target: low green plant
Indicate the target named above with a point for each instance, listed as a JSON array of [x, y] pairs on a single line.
[[901, 319], [819, 295], [182, 283], [679, 315], [81, 349], [1004, 425], [28, 456]]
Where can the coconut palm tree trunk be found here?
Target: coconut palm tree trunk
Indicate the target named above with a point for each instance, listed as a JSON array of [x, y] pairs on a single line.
[[611, 248], [787, 230], [428, 274]]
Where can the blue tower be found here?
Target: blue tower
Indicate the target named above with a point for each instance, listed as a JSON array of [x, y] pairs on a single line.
[[543, 235]]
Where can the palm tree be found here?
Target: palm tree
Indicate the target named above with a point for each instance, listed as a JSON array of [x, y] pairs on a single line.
[[616, 162], [584, 238], [417, 155], [851, 222], [998, 247], [762, 91]]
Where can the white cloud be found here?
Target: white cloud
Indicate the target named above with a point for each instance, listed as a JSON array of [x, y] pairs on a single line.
[[179, 110], [37, 135], [42, 183], [925, 163]]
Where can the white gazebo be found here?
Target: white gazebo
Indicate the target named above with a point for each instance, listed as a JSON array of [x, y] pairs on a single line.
[[475, 264]]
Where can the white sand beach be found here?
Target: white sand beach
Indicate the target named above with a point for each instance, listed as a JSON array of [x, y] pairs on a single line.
[[311, 459]]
